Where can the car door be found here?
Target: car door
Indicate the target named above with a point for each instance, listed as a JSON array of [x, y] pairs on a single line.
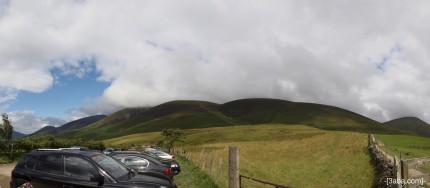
[[47, 171], [78, 172]]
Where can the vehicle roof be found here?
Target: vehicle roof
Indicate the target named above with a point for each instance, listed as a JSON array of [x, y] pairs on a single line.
[[87, 153]]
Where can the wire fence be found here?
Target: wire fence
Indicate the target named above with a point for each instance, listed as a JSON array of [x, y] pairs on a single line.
[[211, 161]]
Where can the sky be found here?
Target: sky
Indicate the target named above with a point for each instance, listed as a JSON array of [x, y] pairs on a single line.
[[61, 60]]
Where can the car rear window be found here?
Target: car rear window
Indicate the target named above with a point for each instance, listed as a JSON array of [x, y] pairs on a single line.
[[31, 161]]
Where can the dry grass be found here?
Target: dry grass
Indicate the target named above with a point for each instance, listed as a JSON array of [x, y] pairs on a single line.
[[326, 159], [296, 156]]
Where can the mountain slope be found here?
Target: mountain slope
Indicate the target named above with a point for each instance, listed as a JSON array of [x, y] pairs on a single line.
[[45, 130], [175, 114], [16, 135], [77, 124], [410, 124], [201, 114]]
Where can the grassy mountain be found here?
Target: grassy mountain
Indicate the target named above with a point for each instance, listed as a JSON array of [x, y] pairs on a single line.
[[16, 135], [77, 124], [45, 130], [201, 114], [411, 124], [258, 111], [175, 114]]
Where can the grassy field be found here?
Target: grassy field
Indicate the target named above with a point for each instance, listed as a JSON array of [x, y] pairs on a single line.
[[294, 155], [410, 146]]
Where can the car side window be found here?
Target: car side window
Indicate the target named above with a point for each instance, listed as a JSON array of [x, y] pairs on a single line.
[[50, 163], [78, 167]]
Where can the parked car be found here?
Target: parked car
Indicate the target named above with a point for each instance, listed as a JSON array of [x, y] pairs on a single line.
[[142, 163], [79, 148], [174, 165], [77, 168], [163, 154], [107, 151]]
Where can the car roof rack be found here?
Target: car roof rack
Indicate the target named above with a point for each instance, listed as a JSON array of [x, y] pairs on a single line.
[[56, 149], [48, 149]]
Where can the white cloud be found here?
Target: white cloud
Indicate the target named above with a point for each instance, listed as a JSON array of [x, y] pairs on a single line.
[[332, 52], [27, 122]]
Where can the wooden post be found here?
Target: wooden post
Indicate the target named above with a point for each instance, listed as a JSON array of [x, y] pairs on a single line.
[[204, 162], [233, 167], [11, 152], [211, 163], [219, 171], [405, 170], [201, 155]]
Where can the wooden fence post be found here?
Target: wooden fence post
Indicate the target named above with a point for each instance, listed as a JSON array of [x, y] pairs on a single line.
[[405, 170], [204, 161], [219, 170], [233, 167], [211, 163], [187, 156], [201, 155], [11, 151]]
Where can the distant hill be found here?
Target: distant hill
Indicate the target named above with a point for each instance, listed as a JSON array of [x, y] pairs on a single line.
[[16, 135], [77, 124], [410, 124], [202, 114]]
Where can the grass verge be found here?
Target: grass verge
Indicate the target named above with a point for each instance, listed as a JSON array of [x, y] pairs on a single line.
[[192, 177]]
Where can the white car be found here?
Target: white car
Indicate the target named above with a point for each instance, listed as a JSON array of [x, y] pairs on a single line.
[[163, 155]]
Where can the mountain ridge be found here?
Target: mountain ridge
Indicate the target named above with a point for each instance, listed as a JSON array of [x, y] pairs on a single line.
[[188, 114], [410, 124], [76, 124]]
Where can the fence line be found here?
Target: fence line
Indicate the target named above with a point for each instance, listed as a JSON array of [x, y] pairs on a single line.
[[234, 177], [402, 167], [260, 181]]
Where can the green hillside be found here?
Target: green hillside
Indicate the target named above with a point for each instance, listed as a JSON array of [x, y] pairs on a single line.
[[201, 114], [260, 111], [175, 114], [411, 124]]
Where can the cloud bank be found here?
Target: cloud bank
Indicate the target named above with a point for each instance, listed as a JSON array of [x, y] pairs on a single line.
[[370, 57]]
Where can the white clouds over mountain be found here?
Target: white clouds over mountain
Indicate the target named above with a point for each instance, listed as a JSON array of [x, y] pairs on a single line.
[[371, 57]]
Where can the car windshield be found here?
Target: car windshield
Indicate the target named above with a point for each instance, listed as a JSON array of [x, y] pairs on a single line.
[[114, 168]]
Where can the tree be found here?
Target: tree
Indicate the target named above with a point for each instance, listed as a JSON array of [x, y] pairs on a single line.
[[170, 136], [6, 128]]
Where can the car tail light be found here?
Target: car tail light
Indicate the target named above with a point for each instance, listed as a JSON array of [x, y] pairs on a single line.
[[168, 171], [173, 157]]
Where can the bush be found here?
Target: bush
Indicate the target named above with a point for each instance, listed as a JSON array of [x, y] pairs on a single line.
[[4, 159]]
